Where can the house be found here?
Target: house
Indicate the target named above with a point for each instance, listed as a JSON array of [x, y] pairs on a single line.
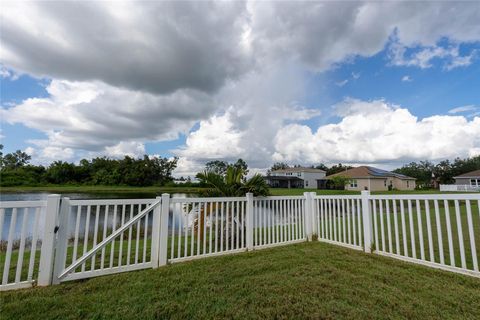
[[374, 179], [295, 178], [471, 178]]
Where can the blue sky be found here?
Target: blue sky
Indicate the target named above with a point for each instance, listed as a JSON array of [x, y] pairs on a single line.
[[318, 88]]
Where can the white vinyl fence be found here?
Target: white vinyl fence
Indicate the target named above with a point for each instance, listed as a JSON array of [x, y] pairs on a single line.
[[459, 188], [48, 242], [437, 230]]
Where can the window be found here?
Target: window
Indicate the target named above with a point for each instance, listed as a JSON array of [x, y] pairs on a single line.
[[408, 184], [353, 184], [385, 182], [475, 182], [299, 174], [306, 183]]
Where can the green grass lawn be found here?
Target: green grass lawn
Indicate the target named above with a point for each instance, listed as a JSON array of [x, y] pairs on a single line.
[[308, 280]]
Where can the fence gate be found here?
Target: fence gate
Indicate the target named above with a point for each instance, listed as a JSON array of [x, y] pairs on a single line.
[[100, 237]]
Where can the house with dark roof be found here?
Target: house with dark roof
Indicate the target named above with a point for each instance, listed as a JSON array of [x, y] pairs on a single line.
[[374, 179], [298, 177], [471, 178]]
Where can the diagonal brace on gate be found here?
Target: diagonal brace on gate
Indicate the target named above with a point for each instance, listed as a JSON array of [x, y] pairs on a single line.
[[110, 238]]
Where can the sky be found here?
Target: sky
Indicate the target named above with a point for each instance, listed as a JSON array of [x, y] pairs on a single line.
[[378, 83]]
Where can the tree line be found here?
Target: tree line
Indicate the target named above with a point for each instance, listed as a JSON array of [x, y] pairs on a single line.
[[336, 168], [428, 174], [15, 170]]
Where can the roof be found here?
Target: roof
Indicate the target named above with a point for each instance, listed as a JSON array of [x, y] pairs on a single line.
[[299, 169], [471, 174], [282, 178], [369, 172]]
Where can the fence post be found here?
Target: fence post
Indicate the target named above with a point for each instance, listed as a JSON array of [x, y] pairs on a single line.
[[249, 219], [163, 247], [62, 238], [313, 212], [308, 215], [156, 233], [367, 222], [45, 271]]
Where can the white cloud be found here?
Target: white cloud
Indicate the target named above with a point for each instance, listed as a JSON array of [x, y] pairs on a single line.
[[377, 131], [96, 117], [407, 78], [462, 109], [424, 56], [355, 75], [149, 46], [161, 47], [8, 74], [259, 105], [131, 148], [341, 83]]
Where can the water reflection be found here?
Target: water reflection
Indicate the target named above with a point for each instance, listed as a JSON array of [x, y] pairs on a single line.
[[29, 214]]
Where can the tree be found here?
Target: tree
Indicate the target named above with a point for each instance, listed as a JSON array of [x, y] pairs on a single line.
[[216, 166], [61, 172], [15, 160], [337, 168], [339, 182], [421, 171], [241, 164], [231, 184], [321, 166], [277, 166]]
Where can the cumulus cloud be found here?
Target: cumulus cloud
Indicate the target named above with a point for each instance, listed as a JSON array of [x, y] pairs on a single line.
[[149, 46], [97, 117], [256, 108], [376, 131], [161, 47], [321, 34], [407, 78]]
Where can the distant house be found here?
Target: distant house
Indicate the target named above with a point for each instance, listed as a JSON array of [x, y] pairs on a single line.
[[471, 178], [295, 178], [374, 179]]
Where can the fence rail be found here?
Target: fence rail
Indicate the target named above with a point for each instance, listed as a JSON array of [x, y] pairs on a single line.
[[48, 242]]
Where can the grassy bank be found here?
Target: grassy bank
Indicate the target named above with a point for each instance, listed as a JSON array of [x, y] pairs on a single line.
[[309, 280], [101, 189], [159, 190]]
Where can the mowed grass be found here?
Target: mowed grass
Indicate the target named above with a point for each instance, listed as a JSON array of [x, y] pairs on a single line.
[[308, 280]]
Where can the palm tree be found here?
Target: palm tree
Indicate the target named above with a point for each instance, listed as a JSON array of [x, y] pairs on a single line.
[[232, 184]]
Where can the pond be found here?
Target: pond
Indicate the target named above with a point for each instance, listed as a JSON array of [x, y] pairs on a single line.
[[34, 196]]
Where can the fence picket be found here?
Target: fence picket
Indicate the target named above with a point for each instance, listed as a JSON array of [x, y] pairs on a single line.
[[439, 231], [420, 229], [33, 248], [460, 235], [412, 231], [389, 226], [429, 231], [471, 234], [449, 233]]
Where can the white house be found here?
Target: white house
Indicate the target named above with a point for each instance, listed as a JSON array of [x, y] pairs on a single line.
[[295, 178]]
